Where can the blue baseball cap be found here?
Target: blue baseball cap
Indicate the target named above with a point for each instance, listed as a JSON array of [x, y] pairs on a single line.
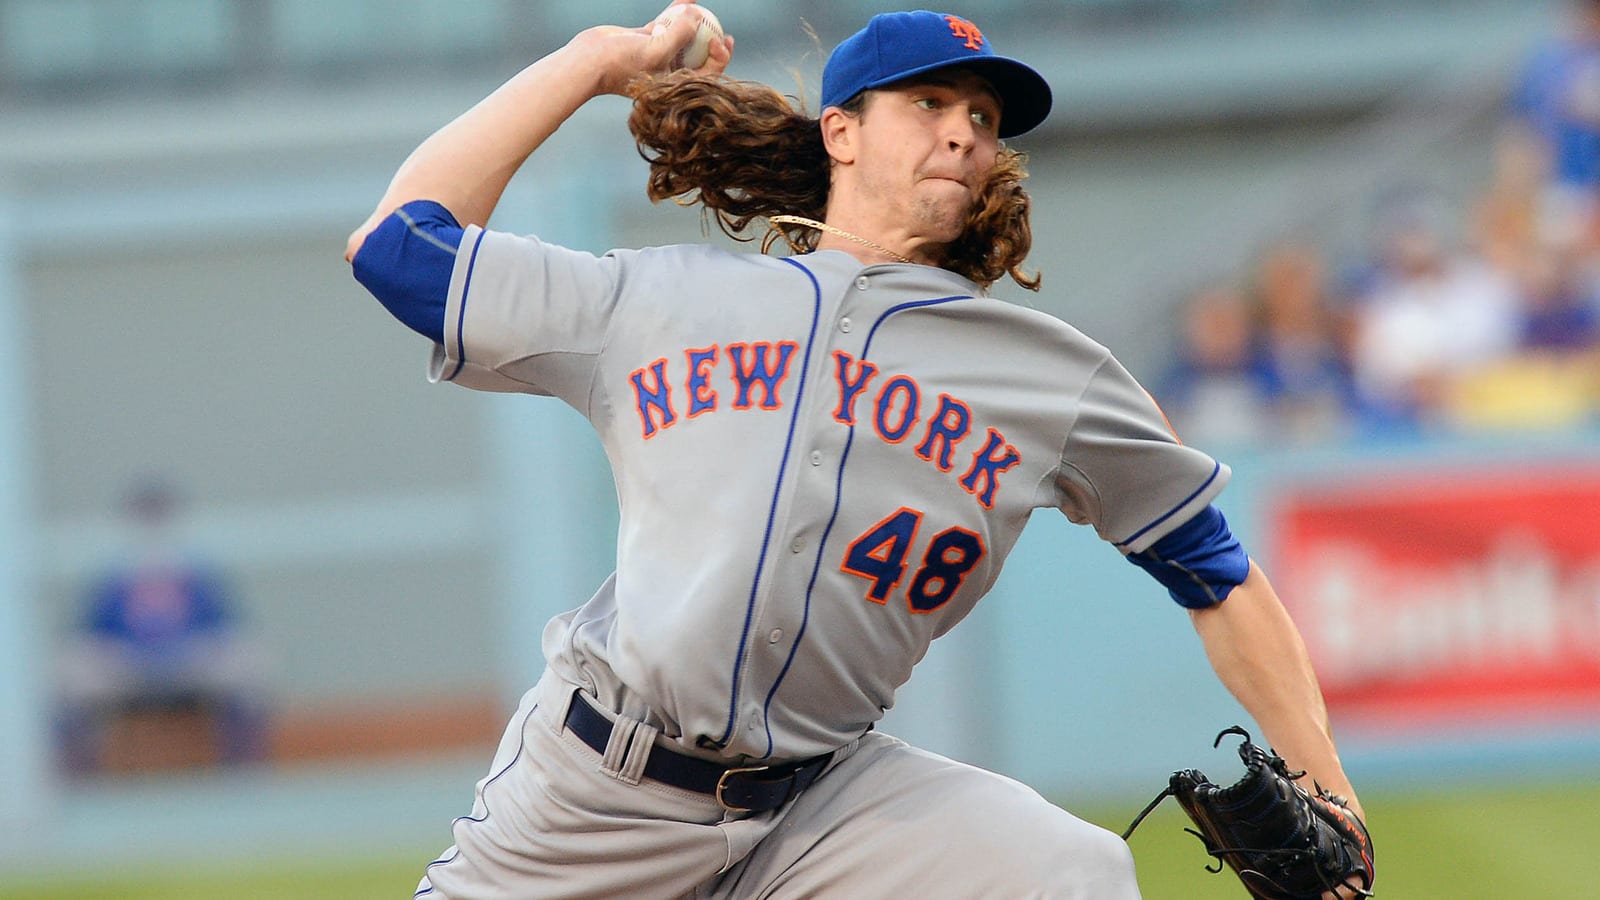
[[896, 46]]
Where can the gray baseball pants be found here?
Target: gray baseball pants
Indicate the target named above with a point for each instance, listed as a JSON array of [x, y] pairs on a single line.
[[885, 820]]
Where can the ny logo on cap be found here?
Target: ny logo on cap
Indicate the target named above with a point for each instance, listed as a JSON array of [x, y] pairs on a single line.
[[963, 30]]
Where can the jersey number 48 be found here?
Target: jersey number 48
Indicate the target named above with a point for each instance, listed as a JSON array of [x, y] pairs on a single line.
[[879, 555]]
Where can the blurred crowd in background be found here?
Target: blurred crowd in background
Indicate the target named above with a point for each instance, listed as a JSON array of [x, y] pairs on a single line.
[[1454, 317]]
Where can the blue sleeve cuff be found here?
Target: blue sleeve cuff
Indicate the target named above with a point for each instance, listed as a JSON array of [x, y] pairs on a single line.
[[406, 263], [1199, 563]]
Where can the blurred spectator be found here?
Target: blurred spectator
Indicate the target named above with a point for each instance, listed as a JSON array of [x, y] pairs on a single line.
[[1561, 304], [1509, 221], [1553, 378], [1218, 392], [1431, 315], [1299, 351], [160, 637], [1556, 104]]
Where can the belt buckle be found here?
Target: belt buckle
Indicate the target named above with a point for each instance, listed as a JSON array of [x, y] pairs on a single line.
[[722, 782]]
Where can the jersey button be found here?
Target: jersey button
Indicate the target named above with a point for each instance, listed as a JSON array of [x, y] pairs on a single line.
[[844, 324], [816, 457], [862, 282], [797, 545], [775, 635]]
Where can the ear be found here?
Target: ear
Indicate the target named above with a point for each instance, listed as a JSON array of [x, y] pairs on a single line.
[[839, 135]]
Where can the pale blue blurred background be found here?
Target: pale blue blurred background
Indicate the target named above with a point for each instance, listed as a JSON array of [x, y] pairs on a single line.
[[177, 178]]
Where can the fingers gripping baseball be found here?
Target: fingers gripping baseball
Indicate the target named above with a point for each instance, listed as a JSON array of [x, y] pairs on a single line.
[[684, 35], [705, 36]]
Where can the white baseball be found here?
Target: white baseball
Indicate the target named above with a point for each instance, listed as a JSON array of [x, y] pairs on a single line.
[[698, 50]]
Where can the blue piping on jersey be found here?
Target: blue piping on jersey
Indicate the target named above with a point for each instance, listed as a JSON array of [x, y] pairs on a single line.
[[838, 493], [772, 513], [483, 792], [461, 314], [1216, 468]]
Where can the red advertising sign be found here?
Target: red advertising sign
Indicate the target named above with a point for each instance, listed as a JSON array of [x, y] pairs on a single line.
[[1437, 598]]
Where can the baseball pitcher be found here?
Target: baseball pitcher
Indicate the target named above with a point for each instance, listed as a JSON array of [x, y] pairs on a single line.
[[822, 458]]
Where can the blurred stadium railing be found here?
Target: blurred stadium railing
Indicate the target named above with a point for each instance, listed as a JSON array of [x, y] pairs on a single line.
[[49, 47]]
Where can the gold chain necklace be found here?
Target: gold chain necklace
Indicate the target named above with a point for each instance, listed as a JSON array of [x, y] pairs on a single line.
[[837, 232]]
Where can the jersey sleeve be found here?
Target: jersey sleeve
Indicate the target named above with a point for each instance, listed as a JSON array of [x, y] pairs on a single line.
[[525, 316], [1124, 472], [406, 263], [1199, 563]]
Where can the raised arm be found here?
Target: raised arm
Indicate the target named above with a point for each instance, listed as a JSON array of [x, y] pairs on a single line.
[[466, 165], [1260, 657]]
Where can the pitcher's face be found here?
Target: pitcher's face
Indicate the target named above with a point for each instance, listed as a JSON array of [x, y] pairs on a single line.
[[924, 149]]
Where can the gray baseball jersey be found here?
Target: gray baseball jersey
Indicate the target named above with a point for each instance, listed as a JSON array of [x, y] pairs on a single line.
[[820, 467]]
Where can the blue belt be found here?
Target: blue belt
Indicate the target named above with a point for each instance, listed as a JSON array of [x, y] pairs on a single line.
[[737, 788]]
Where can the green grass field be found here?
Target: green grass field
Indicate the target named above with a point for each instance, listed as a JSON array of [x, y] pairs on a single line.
[[1533, 843], [1530, 843]]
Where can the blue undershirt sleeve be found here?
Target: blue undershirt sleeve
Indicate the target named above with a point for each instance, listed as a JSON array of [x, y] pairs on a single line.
[[1199, 563], [406, 263]]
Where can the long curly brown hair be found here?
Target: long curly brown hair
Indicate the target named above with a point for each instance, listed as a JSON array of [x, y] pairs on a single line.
[[744, 152]]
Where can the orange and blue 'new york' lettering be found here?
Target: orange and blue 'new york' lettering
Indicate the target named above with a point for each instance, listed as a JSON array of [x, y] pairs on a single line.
[[987, 466], [757, 370], [762, 369], [902, 389], [946, 429], [849, 388], [654, 402], [702, 397]]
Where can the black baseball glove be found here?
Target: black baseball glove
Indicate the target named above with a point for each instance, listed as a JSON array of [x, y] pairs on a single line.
[[1283, 842]]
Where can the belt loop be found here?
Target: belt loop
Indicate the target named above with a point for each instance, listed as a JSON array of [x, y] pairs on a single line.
[[638, 752], [615, 757]]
